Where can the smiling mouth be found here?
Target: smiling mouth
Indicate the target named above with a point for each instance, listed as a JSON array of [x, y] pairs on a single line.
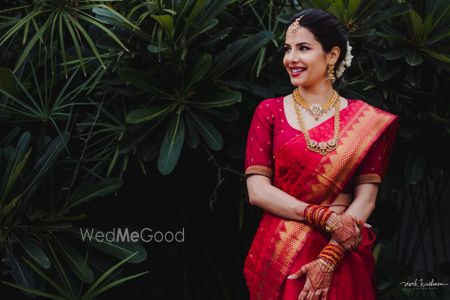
[[297, 71]]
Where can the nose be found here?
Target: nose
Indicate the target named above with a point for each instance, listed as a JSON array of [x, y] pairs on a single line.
[[293, 56]]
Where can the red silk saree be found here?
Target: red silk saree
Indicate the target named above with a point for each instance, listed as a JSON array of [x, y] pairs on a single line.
[[277, 150]]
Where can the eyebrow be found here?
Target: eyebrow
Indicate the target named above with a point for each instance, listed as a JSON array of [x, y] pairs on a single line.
[[299, 44]]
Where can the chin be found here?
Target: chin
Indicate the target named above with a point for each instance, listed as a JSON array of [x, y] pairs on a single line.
[[297, 82]]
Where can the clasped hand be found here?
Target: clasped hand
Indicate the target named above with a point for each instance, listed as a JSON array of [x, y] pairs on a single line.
[[346, 230]]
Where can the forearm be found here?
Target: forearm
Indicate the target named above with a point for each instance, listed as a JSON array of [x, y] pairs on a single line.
[[364, 202], [274, 200]]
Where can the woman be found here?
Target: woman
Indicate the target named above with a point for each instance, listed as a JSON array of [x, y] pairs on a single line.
[[314, 161]]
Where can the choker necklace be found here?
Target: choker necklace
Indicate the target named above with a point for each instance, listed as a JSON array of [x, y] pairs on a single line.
[[316, 110], [321, 147]]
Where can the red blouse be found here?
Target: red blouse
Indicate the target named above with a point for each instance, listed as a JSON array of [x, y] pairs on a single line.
[[270, 129]]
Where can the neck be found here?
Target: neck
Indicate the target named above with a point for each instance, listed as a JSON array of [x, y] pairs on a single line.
[[318, 93]]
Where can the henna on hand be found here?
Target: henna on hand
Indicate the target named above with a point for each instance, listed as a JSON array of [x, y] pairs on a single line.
[[318, 279], [345, 230]]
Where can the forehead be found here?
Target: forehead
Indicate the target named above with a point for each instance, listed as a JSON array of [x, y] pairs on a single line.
[[300, 36]]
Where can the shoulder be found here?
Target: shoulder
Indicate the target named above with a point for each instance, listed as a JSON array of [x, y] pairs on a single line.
[[270, 103], [269, 107], [375, 111]]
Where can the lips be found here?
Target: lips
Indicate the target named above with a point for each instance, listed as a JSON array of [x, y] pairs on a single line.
[[297, 71]]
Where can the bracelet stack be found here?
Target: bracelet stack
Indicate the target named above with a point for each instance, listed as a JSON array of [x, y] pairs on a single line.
[[330, 257], [317, 215]]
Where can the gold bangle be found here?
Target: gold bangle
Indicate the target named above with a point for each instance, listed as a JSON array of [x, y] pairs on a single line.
[[332, 227], [328, 267]]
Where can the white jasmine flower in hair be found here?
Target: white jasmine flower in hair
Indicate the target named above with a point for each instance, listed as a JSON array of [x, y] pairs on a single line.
[[346, 62]]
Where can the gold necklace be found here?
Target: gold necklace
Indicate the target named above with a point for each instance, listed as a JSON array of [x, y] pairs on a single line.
[[321, 147], [316, 110]]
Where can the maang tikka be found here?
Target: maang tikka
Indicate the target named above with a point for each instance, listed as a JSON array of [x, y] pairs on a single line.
[[295, 26]]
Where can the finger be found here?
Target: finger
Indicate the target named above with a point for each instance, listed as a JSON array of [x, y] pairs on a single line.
[[324, 294], [317, 294], [298, 273], [303, 294], [367, 225], [346, 245], [310, 295]]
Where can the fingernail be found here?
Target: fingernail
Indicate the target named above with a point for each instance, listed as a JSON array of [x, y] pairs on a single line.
[[291, 276], [369, 226]]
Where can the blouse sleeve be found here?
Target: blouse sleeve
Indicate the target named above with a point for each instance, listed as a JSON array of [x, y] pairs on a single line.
[[259, 151], [374, 166]]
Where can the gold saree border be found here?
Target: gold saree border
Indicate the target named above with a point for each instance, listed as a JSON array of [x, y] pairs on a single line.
[[367, 178], [363, 131], [260, 170]]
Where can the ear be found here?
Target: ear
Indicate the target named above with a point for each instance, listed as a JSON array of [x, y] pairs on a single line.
[[333, 55]]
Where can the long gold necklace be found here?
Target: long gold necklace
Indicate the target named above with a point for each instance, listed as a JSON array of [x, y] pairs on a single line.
[[325, 146], [316, 110]]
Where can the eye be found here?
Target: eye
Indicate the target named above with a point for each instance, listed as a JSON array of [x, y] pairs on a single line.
[[287, 49], [304, 48]]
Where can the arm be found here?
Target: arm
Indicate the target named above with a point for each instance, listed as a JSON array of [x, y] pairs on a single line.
[[264, 195], [364, 202]]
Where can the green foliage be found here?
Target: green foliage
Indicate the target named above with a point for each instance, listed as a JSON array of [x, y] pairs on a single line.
[[52, 23], [97, 84]]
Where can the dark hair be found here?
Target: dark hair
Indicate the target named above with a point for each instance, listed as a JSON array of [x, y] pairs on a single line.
[[326, 28]]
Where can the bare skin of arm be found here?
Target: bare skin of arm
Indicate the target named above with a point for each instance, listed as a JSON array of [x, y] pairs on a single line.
[[263, 194]]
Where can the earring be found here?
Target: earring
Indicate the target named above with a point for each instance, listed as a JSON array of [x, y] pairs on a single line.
[[330, 73]]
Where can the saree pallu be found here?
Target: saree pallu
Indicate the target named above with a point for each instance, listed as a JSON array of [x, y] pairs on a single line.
[[280, 247]]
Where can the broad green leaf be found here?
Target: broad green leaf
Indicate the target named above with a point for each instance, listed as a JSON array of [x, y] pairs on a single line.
[[192, 137], [15, 165], [376, 252], [149, 113], [94, 288], [209, 133], [416, 24], [35, 252], [63, 275], [337, 9], [414, 58], [111, 16], [221, 99], [100, 26], [19, 270], [142, 81], [97, 189], [198, 6], [8, 208], [117, 282], [238, 52], [49, 280], [35, 292], [395, 54], [117, 249], [352, 7], [439, 56], [394, 11], [171, 145], [166, 22], [198, 71], [7, 81], [229, 114], [212, 10], [202, 29], [37, 36], [76, 262], [46, 161]]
